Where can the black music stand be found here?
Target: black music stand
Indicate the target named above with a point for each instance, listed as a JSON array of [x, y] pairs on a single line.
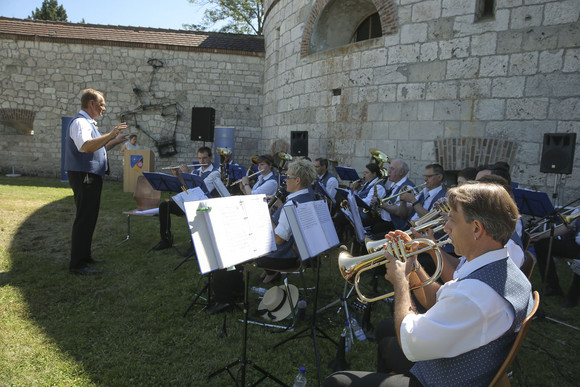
[[347, 173], [244, 361], [163, 181]]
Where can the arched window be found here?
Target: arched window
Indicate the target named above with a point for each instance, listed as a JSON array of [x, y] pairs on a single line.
[[369, 28]]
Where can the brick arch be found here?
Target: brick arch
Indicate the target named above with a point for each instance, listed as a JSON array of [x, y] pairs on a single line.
[[457, 153], [19, 120], [385, 8]]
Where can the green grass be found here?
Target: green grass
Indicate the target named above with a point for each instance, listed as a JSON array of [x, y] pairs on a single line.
[[126, 326]]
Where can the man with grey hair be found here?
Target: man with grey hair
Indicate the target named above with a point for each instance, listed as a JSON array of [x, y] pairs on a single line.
[[393, 214], [301, 174]]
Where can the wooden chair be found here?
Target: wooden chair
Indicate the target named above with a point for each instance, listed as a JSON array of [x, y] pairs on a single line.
[[501, 377], [147, 198], [529, 264]]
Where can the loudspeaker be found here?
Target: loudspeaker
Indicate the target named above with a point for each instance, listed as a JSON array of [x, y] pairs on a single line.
[[299, 143], [558, 153], [202, 124]]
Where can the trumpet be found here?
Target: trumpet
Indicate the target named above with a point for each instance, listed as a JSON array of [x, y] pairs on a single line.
[[440, 207], [352, 267], [378, 245], [415, 191]]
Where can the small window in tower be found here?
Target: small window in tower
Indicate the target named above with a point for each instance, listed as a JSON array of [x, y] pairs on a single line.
[[485, 10], [370, 28]]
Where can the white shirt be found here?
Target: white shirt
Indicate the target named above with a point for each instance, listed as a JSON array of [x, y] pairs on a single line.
[[331, 186], [283, 229], [380, 191], [515, 252], [429, 195], [467, 315], [80, 131], [385, 215], [267, 188]]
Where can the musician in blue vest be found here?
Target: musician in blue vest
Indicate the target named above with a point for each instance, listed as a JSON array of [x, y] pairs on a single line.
[[205, 170], [370, 192], [326, 179], [394, 215], [472, 320], [86, 164], [433, 191], [267, 182], [300, 175]]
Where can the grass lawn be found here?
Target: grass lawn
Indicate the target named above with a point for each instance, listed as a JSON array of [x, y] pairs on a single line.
[[126, 327]]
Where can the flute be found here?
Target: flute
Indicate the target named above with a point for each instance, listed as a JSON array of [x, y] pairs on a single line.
[[189, 165], [239, 181]]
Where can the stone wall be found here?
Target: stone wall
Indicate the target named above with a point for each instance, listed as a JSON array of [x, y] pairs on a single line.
[[439, 75], [155, 89]]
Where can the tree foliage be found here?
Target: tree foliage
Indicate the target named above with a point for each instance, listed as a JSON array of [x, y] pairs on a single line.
[[233, 16], [49, 10]]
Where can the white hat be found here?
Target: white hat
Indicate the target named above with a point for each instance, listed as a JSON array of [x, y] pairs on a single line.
[[275, 305]]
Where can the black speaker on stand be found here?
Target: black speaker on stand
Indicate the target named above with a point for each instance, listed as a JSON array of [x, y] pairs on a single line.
[[202, 124], [558, 153], [299, 143]]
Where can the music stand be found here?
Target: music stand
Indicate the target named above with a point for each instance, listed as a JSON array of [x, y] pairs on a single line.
[[310, 245], [163, 181], [347, 173], [536, 203], [213, 226]]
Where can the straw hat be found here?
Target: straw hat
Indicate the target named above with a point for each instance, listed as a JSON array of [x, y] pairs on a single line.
[[275, 305]]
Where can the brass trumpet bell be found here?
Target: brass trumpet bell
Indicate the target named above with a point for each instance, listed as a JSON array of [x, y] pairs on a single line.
[[351, 267]]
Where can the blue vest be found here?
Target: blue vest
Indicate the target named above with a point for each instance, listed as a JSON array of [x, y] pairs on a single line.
[[285, 250], [91, 162], [364, 191], [422, 199], [325, 178], [273, 177], [478, 367], [398, 222]]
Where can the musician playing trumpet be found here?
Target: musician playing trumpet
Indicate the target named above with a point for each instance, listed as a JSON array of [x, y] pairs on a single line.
[[267, 182], [472, 320], [394, 215], [433, 191]]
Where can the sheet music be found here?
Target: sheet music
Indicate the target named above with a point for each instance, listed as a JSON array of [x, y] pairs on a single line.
[[229, 231], [191, 195], [312, 227], [213, 182], [356, 220]]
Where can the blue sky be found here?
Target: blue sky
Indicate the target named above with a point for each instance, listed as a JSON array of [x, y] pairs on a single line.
[[138, 13]]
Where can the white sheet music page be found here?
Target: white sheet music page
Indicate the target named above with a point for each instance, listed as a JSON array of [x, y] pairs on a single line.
[[240, 229], [191, 195]]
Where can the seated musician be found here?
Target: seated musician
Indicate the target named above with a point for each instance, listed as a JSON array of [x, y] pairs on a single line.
[[267, 182], [466, 174], [472, 320], [326, 179], [565, 244], [205, 171], [394, 215], [433, 191], [370, 192], [301, 174]]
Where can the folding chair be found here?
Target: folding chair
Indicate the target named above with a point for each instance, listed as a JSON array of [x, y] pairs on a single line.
[[501, 377], [147, 198]]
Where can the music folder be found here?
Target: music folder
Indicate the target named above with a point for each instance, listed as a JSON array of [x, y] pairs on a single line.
[[533, 203], [312, 227], [229, 231], [347, 173]]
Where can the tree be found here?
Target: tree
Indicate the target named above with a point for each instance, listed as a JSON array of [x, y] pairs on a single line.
[[235, 16], [49, 10]]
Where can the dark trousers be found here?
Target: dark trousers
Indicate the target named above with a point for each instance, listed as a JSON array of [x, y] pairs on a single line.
[[390, 359], [165, 210], [565, 248], [87, 189]]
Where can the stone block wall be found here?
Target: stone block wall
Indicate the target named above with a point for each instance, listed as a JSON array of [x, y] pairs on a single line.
[[439, 76], [155, 89]]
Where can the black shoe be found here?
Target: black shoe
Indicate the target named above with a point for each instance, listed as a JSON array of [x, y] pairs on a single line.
[[162, 245], [85, 271], [93, 260], [569, 302]]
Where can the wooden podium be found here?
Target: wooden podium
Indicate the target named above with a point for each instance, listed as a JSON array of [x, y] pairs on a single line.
[[135, 163]]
